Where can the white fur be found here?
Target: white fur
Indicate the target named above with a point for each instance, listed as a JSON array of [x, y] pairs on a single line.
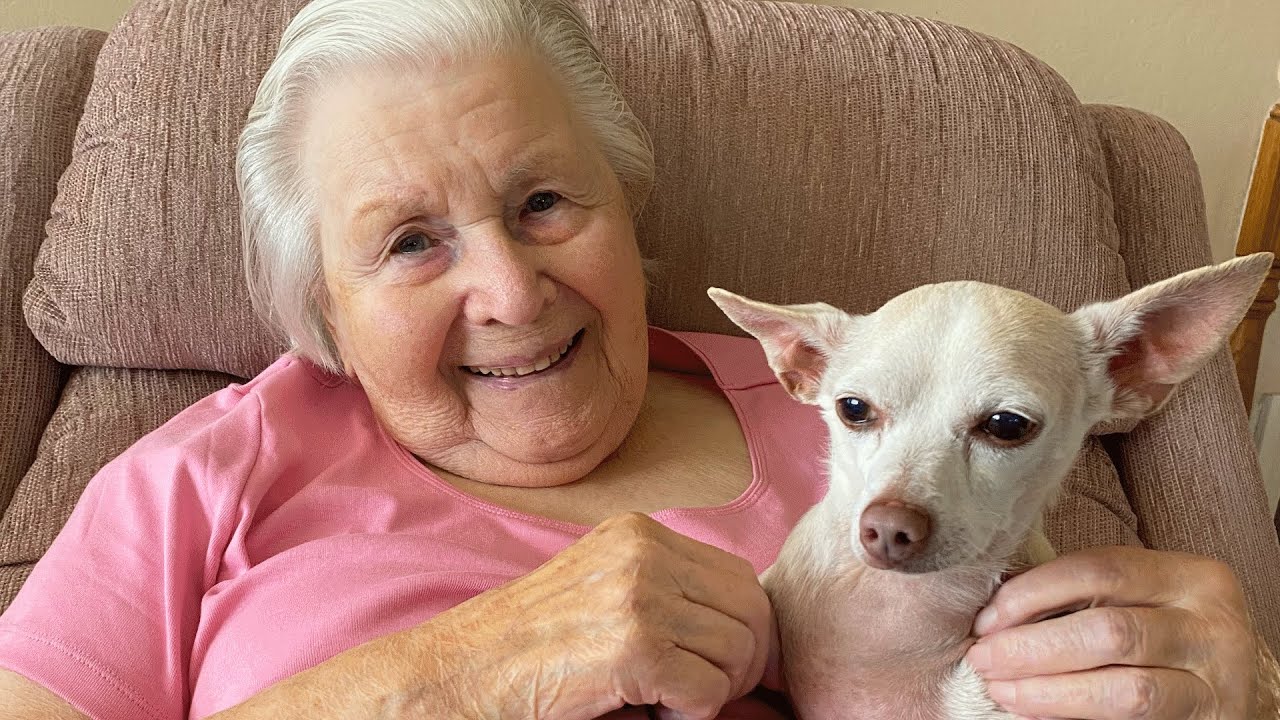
[[934, 362]]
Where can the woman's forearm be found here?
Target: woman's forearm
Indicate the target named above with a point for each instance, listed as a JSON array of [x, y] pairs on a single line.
[[409, 674]]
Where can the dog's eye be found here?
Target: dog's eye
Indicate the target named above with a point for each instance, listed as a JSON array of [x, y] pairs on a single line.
[[1008, 427], [855, 411]]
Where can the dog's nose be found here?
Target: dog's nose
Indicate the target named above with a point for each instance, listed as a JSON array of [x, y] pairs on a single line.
[[892, 533]]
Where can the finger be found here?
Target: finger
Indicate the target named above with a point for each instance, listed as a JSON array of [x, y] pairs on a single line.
[[1112, 693], [1088, 578], [743, 600], [1093, 638], [722, 641], [738, 597], [690, 686], [772, 678]]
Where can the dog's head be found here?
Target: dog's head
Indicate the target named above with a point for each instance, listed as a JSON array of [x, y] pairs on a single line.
[[955, 410]]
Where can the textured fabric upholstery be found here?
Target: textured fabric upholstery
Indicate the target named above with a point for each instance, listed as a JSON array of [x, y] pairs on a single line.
[[44, 77]]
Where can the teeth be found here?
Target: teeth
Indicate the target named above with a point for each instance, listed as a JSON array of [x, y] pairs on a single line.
[[539, 366]]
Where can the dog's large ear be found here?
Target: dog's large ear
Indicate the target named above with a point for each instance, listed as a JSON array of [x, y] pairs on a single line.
[[797, 339], [1147, 342]]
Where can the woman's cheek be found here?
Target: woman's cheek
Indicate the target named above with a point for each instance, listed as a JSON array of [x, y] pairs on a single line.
[[400, 322]]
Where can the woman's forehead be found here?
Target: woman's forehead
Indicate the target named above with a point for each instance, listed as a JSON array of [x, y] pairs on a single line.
[[492, 101], [389, 134]]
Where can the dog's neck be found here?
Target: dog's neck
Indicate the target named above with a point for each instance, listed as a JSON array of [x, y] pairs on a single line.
[[884, 639], [950, 598]]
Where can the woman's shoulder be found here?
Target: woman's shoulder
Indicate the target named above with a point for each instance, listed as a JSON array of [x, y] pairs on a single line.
[[289, 405], [283, 389]]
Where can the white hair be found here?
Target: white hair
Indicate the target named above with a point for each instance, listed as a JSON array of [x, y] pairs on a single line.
[[279, 215]]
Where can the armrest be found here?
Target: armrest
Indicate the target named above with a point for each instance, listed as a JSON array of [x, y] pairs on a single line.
[[1191, 472]]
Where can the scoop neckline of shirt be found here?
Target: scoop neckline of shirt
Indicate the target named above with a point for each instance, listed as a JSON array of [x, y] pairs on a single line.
[[754, 490]]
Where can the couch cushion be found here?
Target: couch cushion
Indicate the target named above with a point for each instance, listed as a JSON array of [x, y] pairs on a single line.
[[44, 77], [102, 412], [803, 152]]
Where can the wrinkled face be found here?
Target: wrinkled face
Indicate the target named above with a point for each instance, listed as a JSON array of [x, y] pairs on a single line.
[[484, 284], [967, 402]]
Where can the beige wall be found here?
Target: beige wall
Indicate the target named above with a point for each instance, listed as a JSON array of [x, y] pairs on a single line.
[[1207, 67], [89, 13]]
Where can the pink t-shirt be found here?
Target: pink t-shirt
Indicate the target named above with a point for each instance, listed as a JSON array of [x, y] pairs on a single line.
[[274, 524]]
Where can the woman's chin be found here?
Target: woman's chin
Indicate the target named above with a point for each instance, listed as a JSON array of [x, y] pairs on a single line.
[[578, 415], [558, 456]]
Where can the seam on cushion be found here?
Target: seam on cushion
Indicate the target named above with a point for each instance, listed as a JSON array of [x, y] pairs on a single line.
[[64, 373], [1102, 118], [127, 690]]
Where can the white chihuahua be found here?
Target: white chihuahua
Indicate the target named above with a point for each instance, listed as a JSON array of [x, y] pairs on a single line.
[[955, 412]]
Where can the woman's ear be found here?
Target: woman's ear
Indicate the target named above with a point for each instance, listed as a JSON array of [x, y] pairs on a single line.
[[1144, 344], [797, 339]]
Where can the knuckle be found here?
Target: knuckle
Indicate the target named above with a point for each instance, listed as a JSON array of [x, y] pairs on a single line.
[[1219, 577], [1104, 573], [1215, 569], [633, 540], [628, 525], [1139, 695], [1120, 633]]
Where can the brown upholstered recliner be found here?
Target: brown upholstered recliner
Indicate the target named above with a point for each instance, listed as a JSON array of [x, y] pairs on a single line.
[[804, 153]]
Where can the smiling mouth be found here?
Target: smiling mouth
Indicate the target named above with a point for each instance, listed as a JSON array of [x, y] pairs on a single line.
[[542, 365]]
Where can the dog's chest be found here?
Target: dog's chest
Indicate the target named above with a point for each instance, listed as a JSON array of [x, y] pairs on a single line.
[[863, 645]]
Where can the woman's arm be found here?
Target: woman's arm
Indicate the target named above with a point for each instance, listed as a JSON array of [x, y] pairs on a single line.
[[399, 675], [25, 700], [633, 613]]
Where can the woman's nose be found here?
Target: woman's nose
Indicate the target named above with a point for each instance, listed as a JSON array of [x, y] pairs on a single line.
[[506, 283]]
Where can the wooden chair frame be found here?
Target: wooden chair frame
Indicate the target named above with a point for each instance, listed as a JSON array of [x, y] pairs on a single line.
[[1260, 232]]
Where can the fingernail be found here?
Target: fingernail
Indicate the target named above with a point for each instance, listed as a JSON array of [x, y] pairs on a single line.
[[1002, 692], [979, 657], [985, 621]]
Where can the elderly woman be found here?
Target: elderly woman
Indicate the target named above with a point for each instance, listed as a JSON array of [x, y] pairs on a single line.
[[480, 485]]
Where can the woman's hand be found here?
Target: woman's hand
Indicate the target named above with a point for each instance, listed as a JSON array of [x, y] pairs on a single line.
[[633, 613], [1149, 635]]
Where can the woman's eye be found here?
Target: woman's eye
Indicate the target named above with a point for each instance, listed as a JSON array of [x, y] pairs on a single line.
[[541, 202], [855, 411], [412, 243], [1007, 427]]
